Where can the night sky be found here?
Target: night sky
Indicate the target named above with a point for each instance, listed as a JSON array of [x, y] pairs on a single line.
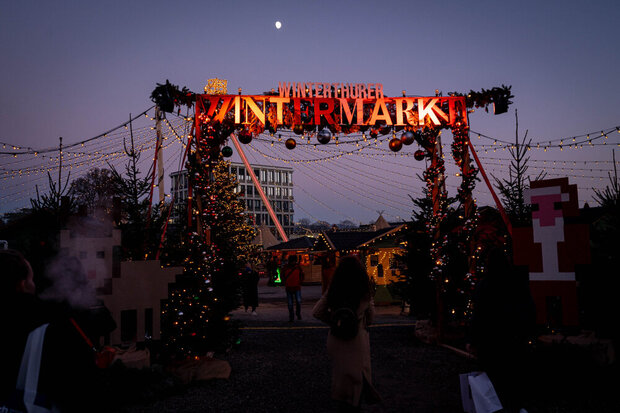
[[79, 68]]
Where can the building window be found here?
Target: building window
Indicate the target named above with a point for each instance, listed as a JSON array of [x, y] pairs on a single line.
[[270, 176], [100, 254]]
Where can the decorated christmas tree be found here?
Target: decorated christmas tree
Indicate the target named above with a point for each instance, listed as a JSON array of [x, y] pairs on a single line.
[[197, 315]]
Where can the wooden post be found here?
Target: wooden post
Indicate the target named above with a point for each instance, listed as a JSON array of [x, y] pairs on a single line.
[[438, 189], [159, 115], [59, 169]]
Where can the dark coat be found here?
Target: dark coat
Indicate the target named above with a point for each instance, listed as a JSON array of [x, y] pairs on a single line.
[[68, 377], [250, 287]]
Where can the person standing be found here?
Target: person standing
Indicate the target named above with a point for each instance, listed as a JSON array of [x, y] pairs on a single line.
[[293, 276], [503, 323], [272, 271], [68, 378], [350, 358], [250, 288]]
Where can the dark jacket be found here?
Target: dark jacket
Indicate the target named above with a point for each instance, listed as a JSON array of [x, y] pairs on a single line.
[[68, 376]]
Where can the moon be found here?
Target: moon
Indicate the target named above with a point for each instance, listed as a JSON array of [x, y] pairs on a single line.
[[278, 25]]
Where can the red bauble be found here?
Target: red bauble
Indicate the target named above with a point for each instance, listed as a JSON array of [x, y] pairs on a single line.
[[290, 143], [419, 155], [298, 129], [245, 136], [374, 133], [396, 145], [385, 129]]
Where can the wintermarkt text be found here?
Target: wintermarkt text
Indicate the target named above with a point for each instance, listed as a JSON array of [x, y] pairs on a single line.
[[315, 103]]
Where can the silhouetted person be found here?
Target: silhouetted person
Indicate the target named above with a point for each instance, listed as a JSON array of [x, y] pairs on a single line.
[[292, 276], [272, 270], [68, 376], [351, 370], [250, 288], [503, 323], [20, 313]]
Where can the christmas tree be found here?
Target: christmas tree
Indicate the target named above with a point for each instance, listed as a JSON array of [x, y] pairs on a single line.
[[197, 314]]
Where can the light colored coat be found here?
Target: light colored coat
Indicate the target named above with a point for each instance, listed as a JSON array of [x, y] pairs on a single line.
[[350, 359]]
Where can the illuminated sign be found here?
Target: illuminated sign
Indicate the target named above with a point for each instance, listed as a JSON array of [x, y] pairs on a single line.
[[331, 104]]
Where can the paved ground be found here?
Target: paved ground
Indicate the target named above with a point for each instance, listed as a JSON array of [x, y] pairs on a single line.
[[272, 308], [283, 367]]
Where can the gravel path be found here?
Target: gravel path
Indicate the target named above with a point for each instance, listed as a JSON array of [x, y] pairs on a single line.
[[282, 367], [287, 370]]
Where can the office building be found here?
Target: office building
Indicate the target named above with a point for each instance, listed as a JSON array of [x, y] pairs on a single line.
[[277, 183]]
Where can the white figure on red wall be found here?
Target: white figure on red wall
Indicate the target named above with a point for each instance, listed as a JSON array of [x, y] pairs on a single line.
[[551, 248]]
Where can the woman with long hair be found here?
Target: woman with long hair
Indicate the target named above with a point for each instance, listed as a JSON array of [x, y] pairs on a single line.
[[351, 371]]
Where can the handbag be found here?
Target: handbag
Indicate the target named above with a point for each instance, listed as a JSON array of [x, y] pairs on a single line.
[[478, 394]]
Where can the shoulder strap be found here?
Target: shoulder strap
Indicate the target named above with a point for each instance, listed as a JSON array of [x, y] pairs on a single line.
[[84, 336]]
